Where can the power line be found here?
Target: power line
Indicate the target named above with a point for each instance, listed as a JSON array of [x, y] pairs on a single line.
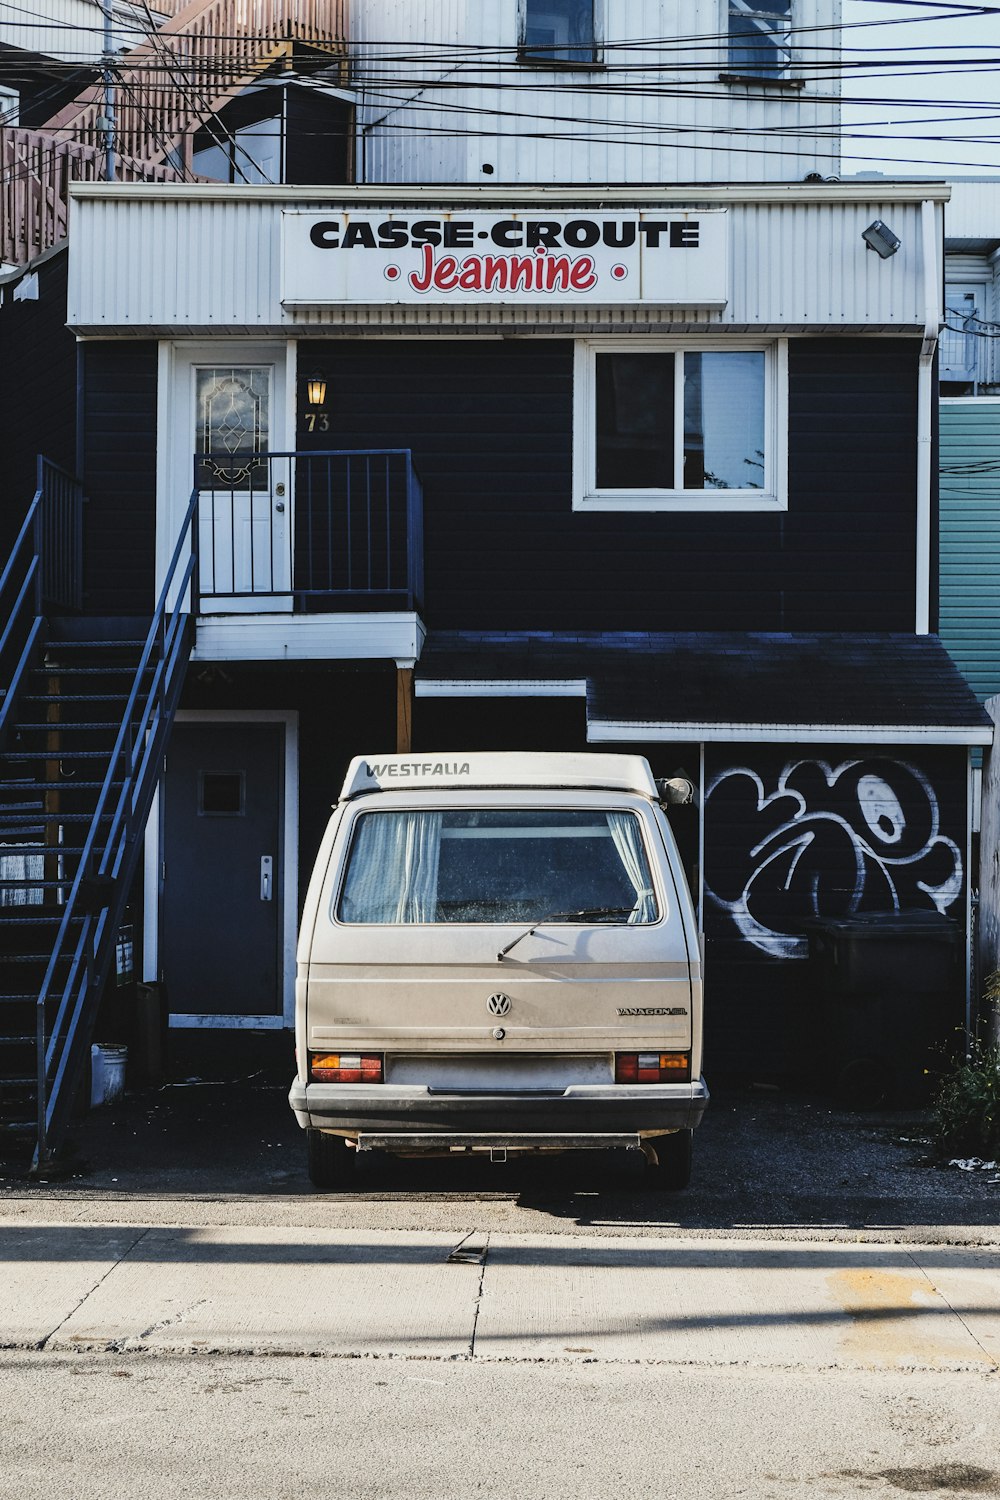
[[419, 56], [476, 54], [974, 332]]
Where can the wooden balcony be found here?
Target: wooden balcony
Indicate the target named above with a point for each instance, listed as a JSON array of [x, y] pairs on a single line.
[[166, 88], [188, 69], [36, 170]]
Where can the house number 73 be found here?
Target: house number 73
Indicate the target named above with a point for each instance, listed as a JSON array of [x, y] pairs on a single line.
[[317, 421]]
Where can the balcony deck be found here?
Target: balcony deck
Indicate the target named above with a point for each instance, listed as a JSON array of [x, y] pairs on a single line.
[[306, 556]]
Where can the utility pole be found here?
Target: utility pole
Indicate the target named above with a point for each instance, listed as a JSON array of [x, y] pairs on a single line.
[[108, 117]]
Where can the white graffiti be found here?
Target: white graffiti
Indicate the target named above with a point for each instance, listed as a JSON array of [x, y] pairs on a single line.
[[826, 841]]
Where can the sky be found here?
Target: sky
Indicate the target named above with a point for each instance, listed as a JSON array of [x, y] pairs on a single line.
[[927, 71]]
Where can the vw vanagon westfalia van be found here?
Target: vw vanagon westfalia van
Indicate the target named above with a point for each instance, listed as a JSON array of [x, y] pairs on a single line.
[[498, 953]]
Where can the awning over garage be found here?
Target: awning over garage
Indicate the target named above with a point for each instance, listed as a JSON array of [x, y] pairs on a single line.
[[739, 686]]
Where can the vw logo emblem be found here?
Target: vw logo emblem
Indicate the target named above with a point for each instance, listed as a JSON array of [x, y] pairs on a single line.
[[498, 1005]]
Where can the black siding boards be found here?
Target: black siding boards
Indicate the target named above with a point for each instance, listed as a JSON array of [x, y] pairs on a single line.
[[37, 391], [119, 458], [342, 711], [450, 726], [490, 426], [850, 533], [317, 136]]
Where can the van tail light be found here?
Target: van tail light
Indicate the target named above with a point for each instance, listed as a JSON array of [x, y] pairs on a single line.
[[345, 1067], [652, 1067]]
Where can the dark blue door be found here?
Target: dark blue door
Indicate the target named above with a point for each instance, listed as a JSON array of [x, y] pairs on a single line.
[[222, 878]]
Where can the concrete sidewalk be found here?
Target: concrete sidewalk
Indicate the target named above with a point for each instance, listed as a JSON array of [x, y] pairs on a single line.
[[343, 1292]]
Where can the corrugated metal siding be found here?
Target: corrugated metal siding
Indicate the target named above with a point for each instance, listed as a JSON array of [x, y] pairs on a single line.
[[974, 209], [533, 124], [76, 32], [389, 40], [188, 262], [970, 539], [968, 267], [490, 426]]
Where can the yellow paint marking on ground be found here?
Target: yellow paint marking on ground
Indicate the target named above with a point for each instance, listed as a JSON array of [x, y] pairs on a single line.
[[901, 1320]]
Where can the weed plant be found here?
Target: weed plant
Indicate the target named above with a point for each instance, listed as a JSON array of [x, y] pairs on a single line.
[[967, 1104]]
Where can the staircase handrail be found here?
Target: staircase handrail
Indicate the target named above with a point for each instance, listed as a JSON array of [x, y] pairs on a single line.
[[104, 875], [17, 615], [46, 567], [217, 47]]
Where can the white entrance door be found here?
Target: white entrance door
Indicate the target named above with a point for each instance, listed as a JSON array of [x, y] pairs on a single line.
[[244, 510]]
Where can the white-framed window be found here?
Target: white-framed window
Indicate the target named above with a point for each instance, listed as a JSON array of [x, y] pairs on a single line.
[[561, 33], [760, 38], [965, 357], [680, 424]]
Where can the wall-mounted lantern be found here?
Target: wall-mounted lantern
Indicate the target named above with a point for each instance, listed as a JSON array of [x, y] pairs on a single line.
[[316, 390]]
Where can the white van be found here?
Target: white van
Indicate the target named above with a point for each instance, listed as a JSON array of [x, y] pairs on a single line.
[[498, 954]]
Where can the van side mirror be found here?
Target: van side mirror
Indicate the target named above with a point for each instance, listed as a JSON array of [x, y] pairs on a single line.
[[675, 791]]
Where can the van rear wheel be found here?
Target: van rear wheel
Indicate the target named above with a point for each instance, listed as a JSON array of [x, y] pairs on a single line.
[[673, 1162], [330, 1161]]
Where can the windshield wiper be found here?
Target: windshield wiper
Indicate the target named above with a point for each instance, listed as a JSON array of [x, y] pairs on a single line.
[[588, 914]]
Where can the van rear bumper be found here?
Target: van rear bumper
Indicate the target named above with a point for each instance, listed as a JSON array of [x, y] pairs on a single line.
[[581, 1110]]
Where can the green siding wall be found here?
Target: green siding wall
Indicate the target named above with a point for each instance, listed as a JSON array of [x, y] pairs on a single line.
[[970, 539]]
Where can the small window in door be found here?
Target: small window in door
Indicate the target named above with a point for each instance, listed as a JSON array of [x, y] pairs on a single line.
[[221, 794], [232, 426]]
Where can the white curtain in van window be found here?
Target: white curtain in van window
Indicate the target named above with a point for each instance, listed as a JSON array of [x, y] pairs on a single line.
[[394, 868], [628, 841]]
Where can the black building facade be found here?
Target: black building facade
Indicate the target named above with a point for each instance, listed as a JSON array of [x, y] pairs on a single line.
[[695, 521]]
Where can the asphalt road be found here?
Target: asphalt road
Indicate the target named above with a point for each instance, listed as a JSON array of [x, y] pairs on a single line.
[[266, 1429]]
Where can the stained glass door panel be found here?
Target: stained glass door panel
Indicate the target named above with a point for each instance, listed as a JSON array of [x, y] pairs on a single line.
[[244, 499]]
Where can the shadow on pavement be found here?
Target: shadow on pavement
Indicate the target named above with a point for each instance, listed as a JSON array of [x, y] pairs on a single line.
[[762, 1159]]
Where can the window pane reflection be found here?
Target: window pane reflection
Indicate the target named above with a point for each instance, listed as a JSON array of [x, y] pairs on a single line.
[[498, 865], [760, 37], [724, 421], [635, 421], [560, 30]]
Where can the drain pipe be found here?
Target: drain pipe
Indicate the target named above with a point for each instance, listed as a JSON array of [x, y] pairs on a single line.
[[925, 408]]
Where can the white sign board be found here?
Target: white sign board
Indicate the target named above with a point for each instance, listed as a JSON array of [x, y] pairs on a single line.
[[667, 258]]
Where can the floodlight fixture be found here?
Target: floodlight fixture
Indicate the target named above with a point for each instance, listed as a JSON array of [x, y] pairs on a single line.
[[880, 238]]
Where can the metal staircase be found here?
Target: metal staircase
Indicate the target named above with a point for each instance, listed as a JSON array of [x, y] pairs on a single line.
[[84, 722]]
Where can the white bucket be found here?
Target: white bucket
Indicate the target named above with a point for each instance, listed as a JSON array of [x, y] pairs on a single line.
[[107, 1073]]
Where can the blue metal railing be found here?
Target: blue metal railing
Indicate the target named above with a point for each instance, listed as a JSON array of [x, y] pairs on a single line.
[[109, 859], [44, 571], [340, 525]]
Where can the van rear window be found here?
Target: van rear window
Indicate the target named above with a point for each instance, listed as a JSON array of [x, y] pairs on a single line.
[[497, 865]]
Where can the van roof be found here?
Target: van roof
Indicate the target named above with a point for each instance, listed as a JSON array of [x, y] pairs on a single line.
[[430, 770]]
